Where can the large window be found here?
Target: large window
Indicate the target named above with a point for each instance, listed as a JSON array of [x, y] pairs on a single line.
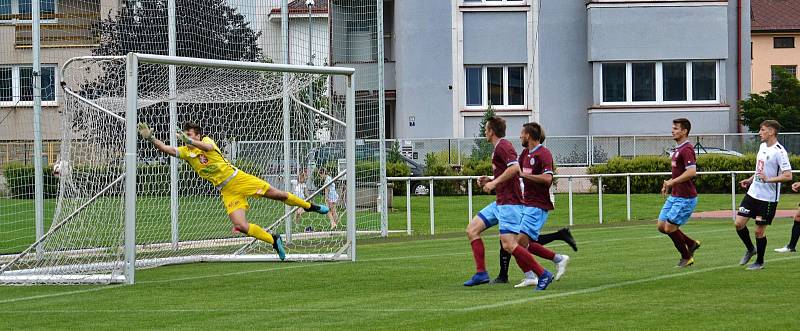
[[659, 82], [21, 9], [16, 85], [502, 86], [783, 42]]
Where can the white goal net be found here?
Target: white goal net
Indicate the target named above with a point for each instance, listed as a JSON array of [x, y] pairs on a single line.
[[122, 204]]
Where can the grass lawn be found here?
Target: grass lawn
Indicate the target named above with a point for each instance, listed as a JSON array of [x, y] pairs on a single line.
[[622, 277], [205, 218]]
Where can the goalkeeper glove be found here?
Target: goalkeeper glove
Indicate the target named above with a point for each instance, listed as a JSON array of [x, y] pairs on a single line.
[[184, 138], [145, 131]]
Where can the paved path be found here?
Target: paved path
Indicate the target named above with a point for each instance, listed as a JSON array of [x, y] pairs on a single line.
[[727, 214]]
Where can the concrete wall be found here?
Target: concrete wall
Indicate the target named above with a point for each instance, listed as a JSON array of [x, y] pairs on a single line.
[[423, 68], [513, 125], [657, 33], [647, 122], [765, 56], [495, 37], [565, 86]]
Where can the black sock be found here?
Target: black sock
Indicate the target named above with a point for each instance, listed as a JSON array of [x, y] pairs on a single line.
[[744, 234], [547, 238], [505, 259], [795, 234], [761, 244]]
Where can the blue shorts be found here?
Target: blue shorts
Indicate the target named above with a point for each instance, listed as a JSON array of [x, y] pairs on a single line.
[[677, 210], [533, 219], [508, 216]]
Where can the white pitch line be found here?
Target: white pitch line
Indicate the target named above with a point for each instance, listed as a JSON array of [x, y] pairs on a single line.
[[109, 287]]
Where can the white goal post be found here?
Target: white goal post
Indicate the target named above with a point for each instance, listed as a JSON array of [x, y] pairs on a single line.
[[70, 252]]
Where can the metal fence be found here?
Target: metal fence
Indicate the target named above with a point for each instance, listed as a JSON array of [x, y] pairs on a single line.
[[588, 150], [469, 180]]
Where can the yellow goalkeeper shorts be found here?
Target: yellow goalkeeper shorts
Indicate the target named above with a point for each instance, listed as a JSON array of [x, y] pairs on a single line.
[[241, 187]]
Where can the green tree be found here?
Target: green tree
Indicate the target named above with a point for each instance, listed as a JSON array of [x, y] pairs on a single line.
[[781, 103], [483, 149]]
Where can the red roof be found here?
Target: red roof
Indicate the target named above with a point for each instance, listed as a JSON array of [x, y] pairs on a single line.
[[775, 15], [299, 7]]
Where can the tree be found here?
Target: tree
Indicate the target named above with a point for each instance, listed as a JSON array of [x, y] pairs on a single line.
[[204, 28], [781, 103], [483, 149]]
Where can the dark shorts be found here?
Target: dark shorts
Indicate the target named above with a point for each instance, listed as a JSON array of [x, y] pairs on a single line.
[[752, 208]]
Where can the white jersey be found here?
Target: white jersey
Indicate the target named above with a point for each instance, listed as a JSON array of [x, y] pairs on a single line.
[[332, 196], [299, 189], [772, 161]]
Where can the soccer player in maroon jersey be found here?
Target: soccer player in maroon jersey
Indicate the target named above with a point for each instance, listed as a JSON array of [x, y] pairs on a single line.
[[683, 198], [536, 170], [506, 211]]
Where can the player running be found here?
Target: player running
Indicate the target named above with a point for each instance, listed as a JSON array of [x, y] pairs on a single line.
[[683, 196], [235, 185], [772, 168], [505, 211], [536, 170], [792, 245]]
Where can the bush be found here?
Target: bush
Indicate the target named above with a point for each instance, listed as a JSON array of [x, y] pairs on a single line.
[[704, 183], [398, 169], [434, 166], [20, 181], [477, 167]]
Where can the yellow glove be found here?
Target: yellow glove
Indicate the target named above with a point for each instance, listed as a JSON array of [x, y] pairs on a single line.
[[184, 138], [145, 131]]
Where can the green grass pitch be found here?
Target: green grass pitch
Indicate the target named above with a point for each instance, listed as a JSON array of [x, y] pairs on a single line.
[[622, 277]]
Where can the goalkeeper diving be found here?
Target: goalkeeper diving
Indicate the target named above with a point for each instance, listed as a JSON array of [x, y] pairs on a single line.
[[235, 185]]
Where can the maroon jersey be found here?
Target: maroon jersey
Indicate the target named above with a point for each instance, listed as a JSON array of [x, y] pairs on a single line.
[[536, 161], [504, 156], [682, 159]]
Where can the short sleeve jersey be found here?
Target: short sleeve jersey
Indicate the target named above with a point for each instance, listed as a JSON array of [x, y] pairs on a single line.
[[772, 160], [683, 158], [504, 156], [536, 161], [211, 166]]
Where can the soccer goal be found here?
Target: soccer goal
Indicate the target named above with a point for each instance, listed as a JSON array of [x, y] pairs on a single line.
[[122, 205]]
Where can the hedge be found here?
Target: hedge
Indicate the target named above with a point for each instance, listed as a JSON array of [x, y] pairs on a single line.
[[704, 183], [20, 181]]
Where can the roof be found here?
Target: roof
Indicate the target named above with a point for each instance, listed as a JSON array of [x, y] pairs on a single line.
[[775, 15], [299, 7]]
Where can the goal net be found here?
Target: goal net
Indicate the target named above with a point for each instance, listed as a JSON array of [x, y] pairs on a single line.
[[123, 205]]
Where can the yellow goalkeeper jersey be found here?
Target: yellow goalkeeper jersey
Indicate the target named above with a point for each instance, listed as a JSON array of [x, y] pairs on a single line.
[[211, 165]]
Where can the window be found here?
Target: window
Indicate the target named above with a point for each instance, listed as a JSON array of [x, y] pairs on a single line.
[[659, 82], [674, 81], [644, 81], [614, 82], [502, 86], [704, 80], [9, 9], [783, 42], [790, 69], [474, 82], [495, 85], [16, 85]]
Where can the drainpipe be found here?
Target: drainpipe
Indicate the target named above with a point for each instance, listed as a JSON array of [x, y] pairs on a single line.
[[738, 64]]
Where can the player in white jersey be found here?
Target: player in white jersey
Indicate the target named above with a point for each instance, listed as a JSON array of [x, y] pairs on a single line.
[[772, 168]]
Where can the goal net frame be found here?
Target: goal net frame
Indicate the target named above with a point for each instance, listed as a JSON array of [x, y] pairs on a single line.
[[61, 274]]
